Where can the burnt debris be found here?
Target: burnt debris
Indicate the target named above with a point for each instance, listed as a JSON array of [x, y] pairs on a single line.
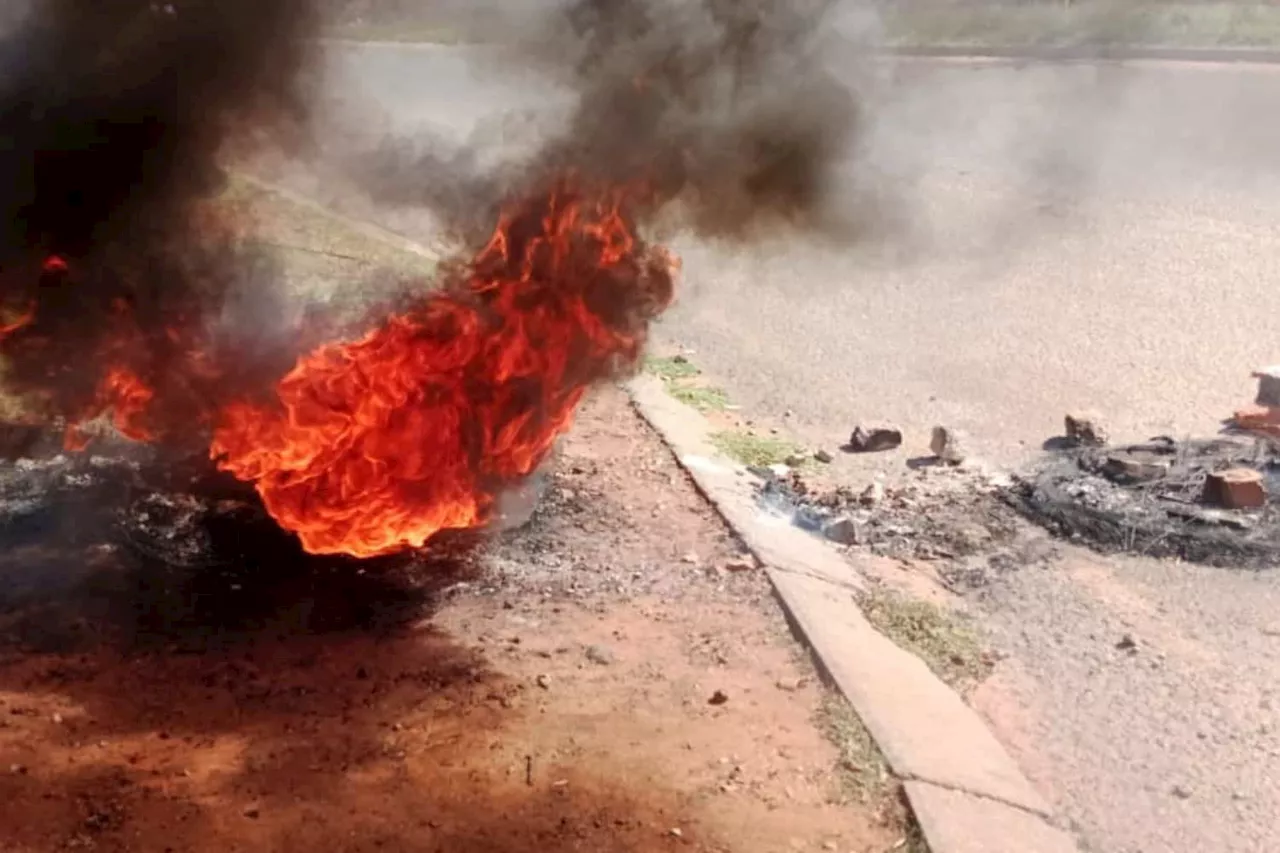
[[1157, 499], [140, 546]]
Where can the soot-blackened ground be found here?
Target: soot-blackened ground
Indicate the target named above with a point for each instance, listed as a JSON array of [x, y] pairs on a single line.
[[138, 549], [1085, 495]]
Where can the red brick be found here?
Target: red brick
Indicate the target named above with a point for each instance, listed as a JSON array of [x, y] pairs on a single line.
[[1254, 417], [1235, 488]]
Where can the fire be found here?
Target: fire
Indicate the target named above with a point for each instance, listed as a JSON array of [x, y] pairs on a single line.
[[129, 400], [376, 445], [373, 445]]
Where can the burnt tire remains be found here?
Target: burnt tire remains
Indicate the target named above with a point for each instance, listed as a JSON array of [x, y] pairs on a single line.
[[1148, 499]]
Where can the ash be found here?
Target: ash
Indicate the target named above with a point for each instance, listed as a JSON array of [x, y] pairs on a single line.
[[136, 546], [955, 518], [1145, 499]]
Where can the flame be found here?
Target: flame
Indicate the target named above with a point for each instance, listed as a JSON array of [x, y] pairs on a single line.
[[376, 445], [128, 398]]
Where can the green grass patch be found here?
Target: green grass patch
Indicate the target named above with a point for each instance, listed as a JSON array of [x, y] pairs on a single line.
[[704, 398], [680, 376], [946, 641], [756, 450], [671, 368]]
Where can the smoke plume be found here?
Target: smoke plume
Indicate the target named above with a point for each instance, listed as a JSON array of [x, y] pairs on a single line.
[[113, 117], [726, 107]]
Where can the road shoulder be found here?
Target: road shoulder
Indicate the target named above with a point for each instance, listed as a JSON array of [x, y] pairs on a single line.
[[931, 738]]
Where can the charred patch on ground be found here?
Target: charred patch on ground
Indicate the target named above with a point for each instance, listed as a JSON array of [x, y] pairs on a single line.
[[1150, 499]]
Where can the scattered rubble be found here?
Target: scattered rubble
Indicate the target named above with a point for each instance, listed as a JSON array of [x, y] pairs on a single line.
[[873, 440], [1163, 498], [1084, 429], [953, 517], [846, 530], [948, 445]]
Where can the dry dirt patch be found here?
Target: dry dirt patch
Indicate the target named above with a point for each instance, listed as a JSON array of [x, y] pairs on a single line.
[[600, 681]]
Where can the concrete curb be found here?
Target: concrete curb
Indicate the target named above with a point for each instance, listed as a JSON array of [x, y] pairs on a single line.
[[968, 794], [1089, 53], [973, 52]]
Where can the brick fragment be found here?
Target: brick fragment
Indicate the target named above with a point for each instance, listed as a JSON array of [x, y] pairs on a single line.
[[1235, 488]]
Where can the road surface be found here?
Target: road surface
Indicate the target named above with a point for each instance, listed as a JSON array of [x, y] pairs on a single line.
[[1054, 238]]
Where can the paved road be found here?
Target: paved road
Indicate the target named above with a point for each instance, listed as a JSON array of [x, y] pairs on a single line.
[[1056, 237]]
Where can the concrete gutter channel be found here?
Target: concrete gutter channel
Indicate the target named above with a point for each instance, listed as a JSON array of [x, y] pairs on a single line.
[[968, 795]]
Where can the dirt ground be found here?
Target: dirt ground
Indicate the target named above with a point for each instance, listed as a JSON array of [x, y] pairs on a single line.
[[605, 678]]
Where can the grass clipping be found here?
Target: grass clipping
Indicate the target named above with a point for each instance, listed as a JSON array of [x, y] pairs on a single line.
[[682, 380], [947, 642]]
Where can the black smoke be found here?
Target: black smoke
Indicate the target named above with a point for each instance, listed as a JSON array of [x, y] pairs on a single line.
[[730, 109], [115, 116]]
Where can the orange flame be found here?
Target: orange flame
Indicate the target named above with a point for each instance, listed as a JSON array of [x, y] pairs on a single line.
[[378, 444], [128, 398]]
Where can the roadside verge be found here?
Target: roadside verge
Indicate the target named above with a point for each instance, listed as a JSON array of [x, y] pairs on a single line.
[[967, 793]]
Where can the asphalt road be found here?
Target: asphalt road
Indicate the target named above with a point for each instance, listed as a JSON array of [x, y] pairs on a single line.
[[1053, 238]]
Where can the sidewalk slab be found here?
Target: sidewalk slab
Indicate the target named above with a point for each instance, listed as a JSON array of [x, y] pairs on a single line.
[[925, 729], [774, 540], [956, 822]]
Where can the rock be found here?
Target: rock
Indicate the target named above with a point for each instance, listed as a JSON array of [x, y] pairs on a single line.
[[1182, 792], [601, 655], [1235, 488], [1085, 429], [739, 564], [676, 832], [872, 494], [780, 471], [795, 460], [824, 457], [1136, 466], [845, 530], [791, 685], [690, 558], [252, 812], [1127, 644], [718, 698], [873, 440], [1268, 386], [543, 681], [948, 445]]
